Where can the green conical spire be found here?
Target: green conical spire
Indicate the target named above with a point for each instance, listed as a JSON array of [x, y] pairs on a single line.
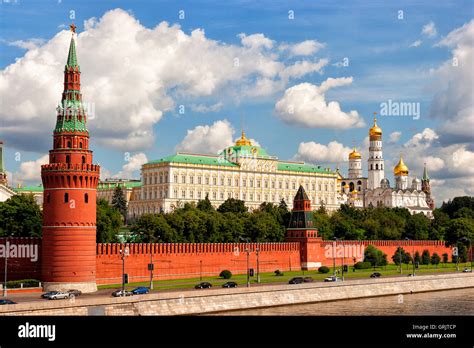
[[2, 165], [72, 58], [425, 174]]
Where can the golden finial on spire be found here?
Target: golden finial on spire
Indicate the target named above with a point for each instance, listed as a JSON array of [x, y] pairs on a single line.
[[72, 27], [375, 132]]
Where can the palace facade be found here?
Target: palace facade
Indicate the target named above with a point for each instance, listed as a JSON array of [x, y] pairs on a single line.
[[243, 171]]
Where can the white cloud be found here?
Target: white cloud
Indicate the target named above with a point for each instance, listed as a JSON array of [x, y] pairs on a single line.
[[429, 29], [416, 43], [333, 152], [454, 102], [132, 75], [255, 41], [207, 108], [208, 139], [132, 166], [304, 48], [434, 163], [423, 139], [305, 104], [394, 137], [30, 171], [27, 44]]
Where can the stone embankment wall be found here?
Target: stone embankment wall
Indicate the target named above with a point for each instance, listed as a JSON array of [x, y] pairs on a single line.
[[210, 301]]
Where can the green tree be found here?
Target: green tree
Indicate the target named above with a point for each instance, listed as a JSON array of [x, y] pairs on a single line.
[[435, 259], [425, 257], [20, 216], [459, 228], [232, 205], [445, 258], [119, 202], [109, 221], [417, 227], [417, 257], [205, 204], [398, 256], [375, 256]]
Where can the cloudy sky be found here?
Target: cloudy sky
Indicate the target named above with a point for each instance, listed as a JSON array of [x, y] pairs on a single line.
[[302, 79]]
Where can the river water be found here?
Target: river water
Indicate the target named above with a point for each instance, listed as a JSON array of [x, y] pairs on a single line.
[[451, 302]]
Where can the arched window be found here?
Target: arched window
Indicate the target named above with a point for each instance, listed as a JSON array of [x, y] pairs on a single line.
[[351, 186], [80, 145], [359, 182], [69, 144], [66, 197], [86, 198], [371, 167], [376, 167], [83, 159], [381, 166], [68, 159]]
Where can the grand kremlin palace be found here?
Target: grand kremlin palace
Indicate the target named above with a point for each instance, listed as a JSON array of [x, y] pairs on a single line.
[[243, 171]]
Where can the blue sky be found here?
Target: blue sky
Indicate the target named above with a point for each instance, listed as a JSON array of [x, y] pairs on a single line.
[[389, 58]]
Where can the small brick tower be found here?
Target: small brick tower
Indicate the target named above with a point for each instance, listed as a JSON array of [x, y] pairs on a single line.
[[70, 181], [301, 229]]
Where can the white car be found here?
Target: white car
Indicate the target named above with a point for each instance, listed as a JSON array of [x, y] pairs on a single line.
[[332, 279], [60, 295], [466, 270]]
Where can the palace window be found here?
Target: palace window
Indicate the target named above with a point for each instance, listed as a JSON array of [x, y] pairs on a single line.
[[243, 196], [258, 183], [207, 181], [236, 182], [229, 195], [222, 181], [273, 184], [175, 193], [175, 179], [258, 198], [287, 185], [214, 181], [229, 182], [199, 180], [214, 195], [191, 179], [222, 195], [293, 186], [251, 182], [161, 179], [183, 194], [280, 185], [266, 183], [251, 196], [183, 179], [199, 194], [191, 194]]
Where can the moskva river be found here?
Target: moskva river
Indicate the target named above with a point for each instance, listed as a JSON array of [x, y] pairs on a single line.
[[451, 302]]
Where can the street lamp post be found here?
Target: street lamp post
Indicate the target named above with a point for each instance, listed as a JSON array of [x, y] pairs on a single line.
[[200, 270], [465, 239], [151, 270], [400, 258], [125, 252], [248, 269], [258, 265], [6, 269], [334, 244], [343, 255]]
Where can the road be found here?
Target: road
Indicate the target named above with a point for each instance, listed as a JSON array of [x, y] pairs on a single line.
[[33, 297]]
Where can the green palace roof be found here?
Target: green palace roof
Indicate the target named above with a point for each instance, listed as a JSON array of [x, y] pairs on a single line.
[[126, 184], [302, 167], [195, 159], [32, 188]]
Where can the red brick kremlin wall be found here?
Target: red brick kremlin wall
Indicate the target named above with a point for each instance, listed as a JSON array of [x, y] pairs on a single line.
[[187, 260], [183, 260], [21, 267]]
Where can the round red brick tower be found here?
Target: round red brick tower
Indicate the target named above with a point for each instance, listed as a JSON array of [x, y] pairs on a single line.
[[69, 206]]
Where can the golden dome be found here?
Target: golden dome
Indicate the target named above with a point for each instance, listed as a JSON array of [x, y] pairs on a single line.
[[375, 131], [400, 168], [243, 141], [354, 192], [346, 186], [355, 155]]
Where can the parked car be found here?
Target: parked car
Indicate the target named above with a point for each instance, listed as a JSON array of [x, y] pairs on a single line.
[[141, 290], [203, 285], [120, 293], [5, 302], [466, 270], [332, 279], [308, 279], [229, 285], [375, 275], [60, 295], [410, 275], [296, 280], [75, 292], [49, 293]]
